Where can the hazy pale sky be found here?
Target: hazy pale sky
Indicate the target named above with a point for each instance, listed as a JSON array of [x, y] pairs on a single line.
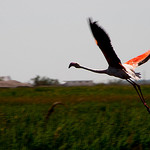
[[41, 37]]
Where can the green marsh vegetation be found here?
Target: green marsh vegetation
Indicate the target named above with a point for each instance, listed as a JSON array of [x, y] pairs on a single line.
[[97, 117]]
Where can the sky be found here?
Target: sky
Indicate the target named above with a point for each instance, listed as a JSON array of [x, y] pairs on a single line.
[[41, 37]]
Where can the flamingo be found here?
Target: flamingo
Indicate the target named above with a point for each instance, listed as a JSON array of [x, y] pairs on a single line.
[[115, 67]]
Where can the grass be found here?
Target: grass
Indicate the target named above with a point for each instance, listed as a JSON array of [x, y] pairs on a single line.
[[93, 118]]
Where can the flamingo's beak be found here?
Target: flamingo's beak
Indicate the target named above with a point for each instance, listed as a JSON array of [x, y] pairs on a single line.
[[76, 65], [70, 65]]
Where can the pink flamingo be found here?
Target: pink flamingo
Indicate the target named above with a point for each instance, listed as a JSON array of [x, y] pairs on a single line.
[[116, 68]]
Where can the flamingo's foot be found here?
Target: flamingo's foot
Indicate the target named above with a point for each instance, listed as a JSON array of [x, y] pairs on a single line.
[[148, 109]]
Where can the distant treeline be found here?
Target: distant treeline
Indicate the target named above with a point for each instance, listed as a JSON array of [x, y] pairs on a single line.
[[44, 81]]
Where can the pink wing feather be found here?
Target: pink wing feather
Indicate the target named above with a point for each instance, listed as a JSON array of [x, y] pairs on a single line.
[[139, 60]]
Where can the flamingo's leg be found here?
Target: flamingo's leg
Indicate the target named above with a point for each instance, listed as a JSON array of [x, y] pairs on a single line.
[[138, 90]]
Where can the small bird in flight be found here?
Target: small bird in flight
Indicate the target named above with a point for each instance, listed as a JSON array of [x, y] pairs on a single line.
[[116, 68]]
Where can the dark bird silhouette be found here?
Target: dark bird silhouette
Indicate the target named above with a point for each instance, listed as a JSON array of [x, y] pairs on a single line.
[[116, 68]]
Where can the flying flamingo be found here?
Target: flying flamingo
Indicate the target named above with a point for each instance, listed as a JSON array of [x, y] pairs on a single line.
[[116, 68]]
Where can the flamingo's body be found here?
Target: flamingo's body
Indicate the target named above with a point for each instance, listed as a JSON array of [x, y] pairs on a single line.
[[116, 68]]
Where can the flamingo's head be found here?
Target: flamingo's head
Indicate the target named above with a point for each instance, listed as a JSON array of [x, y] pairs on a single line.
[[76, 65]]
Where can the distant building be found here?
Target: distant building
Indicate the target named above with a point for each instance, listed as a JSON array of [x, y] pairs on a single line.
[[79, 83], [5, 78], [143, 82], [6, 82], [123, 82]]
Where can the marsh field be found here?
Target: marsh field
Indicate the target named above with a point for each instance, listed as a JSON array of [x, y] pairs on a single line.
[[102, 117]]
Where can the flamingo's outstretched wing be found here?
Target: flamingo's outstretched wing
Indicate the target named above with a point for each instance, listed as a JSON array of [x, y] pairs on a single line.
[[104, 43], [139, 60]]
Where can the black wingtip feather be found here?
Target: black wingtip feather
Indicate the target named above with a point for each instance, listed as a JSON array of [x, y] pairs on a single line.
[[98, 31], [104, 43], [90, 20], [91, 23]]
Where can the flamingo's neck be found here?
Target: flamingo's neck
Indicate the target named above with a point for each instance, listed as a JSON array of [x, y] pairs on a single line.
[[96, 71]]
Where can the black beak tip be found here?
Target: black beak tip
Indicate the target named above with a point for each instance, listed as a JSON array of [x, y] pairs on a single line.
[[70, 65]]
